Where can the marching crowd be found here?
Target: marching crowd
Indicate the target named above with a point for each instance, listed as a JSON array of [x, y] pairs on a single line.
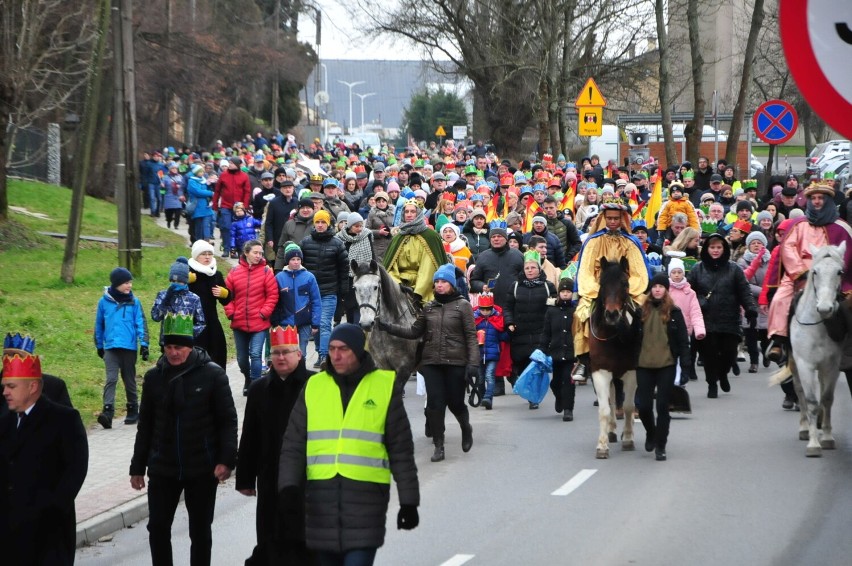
[[500, 260]]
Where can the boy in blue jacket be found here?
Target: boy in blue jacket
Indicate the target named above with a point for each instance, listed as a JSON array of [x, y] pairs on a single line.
[[490, 332], [119, 327], [243, 228], [299, 301]]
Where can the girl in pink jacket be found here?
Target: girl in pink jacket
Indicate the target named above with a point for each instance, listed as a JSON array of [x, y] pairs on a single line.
[[687, 301]]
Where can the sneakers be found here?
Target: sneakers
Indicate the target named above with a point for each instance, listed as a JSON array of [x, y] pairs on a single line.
[[487, 404], [580, 373], [320, 360], [533, 406], [752, 368], [788, 403], [660, 454]]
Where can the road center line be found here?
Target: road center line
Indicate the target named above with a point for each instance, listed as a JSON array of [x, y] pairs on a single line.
[[574, 482], [458, 560]]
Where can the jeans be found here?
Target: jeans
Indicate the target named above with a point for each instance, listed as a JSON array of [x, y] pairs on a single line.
[[226, 217], [304, 338], [163, 498], [329, 305], [154, 198], [249, 347], [124, 361], [203, 227], [661, 379], [357, 557], [488, 369]]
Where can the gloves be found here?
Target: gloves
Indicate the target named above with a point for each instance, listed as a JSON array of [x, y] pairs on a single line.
[[167, 298], [418, 301], [684, 376], [751, 317], [143, 351], [407, 518], [472, 375], [101, 353]]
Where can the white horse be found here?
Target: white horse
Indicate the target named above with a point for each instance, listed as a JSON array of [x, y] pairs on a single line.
[[816, 357]]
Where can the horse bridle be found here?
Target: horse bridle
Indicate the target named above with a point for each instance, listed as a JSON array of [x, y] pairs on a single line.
[[796, 315], [628, 311]]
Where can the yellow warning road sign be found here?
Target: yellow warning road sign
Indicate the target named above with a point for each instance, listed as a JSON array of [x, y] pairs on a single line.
[[590, 95], [440, 132], [590, 121]]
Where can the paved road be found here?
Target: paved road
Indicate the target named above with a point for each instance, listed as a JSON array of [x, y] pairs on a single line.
[[737, 489]]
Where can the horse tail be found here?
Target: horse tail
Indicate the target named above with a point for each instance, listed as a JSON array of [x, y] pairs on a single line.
[[781, 376]]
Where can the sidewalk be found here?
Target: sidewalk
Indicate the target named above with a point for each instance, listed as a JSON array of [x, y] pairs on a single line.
[[106, 503]]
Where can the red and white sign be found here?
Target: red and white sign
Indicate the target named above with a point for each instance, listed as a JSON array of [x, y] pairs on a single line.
[[817, 40]]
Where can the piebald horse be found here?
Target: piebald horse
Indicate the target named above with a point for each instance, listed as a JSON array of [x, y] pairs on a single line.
[[614, 352]]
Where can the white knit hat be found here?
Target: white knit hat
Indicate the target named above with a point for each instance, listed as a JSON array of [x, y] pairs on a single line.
[[199, 247], [676, 263]]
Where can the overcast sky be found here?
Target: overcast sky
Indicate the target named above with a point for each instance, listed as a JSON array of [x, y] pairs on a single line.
[[341, 38]]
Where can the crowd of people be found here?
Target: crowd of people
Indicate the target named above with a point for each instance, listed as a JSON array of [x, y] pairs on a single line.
[[501, 261]]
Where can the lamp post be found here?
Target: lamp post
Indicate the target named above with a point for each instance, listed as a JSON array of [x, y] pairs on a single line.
[[362, 97], [350, 85]]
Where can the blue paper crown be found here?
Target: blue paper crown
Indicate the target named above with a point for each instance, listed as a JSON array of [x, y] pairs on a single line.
[[539, 187], [18, 342], [491, 185], [497, 224], [571, 164]]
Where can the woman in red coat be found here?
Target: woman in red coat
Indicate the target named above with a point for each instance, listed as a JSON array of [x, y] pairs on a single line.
[[254, 294]]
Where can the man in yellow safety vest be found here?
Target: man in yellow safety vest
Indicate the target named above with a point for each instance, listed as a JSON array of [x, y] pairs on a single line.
[[349, 430]]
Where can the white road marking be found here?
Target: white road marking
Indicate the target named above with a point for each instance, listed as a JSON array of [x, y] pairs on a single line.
[[458, 560], [574, 482]]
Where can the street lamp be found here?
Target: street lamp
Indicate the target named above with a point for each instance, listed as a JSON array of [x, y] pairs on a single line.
[[362, 97], [350, 85]]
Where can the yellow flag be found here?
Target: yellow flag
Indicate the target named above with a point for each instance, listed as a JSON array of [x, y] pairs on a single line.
[[654, 203]]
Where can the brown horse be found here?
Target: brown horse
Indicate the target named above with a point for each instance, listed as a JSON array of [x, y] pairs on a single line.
[[614, 352]]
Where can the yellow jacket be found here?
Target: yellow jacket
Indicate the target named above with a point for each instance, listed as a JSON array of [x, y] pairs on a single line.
[[671, 208]]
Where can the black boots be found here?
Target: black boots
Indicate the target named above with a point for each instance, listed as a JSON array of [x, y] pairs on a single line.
[[105, 418], [132, 414], [438, 455], [466, 431]]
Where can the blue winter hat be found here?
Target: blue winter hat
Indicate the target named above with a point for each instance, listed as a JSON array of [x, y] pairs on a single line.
[[179, 271], [446, 272], [119, 276]]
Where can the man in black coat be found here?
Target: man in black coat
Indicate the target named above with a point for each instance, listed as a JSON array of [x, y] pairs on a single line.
[[52, 388], [44, 458], [277, 214], [186, 440], [279, 541]]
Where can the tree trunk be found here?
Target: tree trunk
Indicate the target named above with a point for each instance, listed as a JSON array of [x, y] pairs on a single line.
[[7, 100], [694, 130], [90, 117], [739, 108], [543, 119], [665, 96], [134, 196]]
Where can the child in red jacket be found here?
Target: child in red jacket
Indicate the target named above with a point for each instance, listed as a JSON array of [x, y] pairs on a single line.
[[490, 332]]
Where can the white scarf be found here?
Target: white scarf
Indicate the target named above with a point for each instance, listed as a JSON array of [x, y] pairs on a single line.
[[203, 269]]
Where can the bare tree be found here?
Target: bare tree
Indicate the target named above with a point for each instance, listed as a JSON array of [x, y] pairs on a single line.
[[665, 95], [694, 130], [748, 61], [43, 65]]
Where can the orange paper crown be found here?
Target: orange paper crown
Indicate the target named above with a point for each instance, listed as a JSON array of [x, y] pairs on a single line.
[[18, 364], [283, 336]]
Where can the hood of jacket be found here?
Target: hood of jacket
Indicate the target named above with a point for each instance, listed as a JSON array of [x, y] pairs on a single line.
[[726, 253]]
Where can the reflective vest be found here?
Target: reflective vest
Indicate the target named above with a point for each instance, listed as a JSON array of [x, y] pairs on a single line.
[[350, 444]]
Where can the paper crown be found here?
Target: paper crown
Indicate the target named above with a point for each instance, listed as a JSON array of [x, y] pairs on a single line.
[[178, 325], [486, 300], [532, 255], [688, 175], [18, 359], [498, 223], [547, 158], [708, 227], [612, 202], [749, 184], [283, 336]]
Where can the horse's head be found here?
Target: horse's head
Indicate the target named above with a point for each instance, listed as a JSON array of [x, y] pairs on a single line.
[[367, 285], [613, 290], [826, 276]]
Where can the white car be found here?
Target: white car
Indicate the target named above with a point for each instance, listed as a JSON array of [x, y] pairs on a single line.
[[755, 167]]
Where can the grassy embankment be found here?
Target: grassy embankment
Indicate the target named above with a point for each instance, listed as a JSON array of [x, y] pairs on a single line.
[[61, 317]]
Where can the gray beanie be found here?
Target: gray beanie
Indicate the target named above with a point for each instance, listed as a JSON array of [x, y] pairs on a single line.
[[353, 219], [763, 215], [756, 235], [179, 271]]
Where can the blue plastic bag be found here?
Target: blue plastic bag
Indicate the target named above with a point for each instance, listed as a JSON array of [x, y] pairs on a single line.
[[533, 383]]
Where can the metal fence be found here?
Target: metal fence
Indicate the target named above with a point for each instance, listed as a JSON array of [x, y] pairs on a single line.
[[35, 154]]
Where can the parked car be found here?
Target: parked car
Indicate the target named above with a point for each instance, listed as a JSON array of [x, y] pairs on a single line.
[[755, 167], [824, 152]]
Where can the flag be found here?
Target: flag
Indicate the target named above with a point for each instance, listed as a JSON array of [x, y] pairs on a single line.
[[636, 206], [655, 203], [532, 209], [568, 199], [491, 207]]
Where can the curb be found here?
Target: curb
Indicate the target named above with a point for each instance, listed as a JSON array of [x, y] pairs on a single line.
[[117, 518]]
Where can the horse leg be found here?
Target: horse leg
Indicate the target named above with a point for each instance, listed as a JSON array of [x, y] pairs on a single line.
[[602, 379], [800, 397], [612, 425], [828, 379], [810, 388], [629, 380]]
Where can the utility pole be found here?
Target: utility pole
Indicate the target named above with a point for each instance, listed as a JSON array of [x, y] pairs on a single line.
[[84, 155]]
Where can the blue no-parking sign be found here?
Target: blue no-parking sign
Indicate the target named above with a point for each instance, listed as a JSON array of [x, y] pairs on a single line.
[[775, 121]]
